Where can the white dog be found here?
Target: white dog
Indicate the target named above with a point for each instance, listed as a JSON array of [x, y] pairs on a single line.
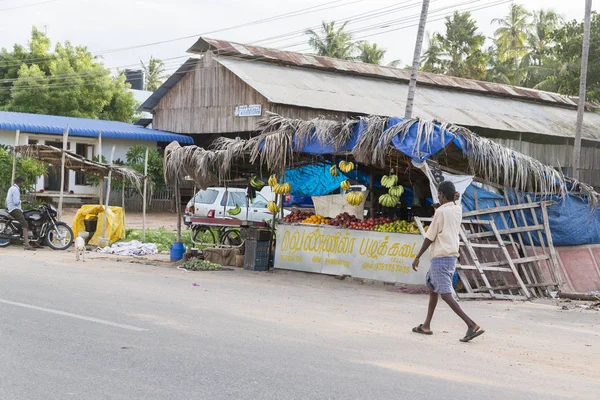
[[80, 249]]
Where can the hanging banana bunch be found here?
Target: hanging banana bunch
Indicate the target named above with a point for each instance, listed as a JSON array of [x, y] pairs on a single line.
[[282, 188], [333, 171], [355, 198], [389, 181], [272, 207], [256, 183], [345, 185], [396, 191], [272, 180], [346, 166], [387, 200]]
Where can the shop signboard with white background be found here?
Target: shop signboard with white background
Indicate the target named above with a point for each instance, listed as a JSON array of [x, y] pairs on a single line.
[[379, 256]]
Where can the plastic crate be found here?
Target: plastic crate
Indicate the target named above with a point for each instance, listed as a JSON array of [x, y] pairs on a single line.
[[256, 257], [261, 235]]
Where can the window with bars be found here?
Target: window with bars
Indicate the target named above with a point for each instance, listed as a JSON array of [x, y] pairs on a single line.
[[87, 151]]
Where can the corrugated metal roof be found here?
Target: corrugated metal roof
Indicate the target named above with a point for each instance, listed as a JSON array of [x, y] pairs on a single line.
[[311, 88], [223, 47], [55, 125], [153, 100]]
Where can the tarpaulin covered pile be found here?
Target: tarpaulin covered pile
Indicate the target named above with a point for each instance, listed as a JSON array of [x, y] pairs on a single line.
[[571, 220], [115, 222]]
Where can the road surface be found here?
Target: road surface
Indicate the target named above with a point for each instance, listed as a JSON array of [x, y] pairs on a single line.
[[108, 330]]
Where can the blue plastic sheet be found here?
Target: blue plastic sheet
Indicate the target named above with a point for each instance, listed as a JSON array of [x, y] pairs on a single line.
[[407, 144], [571, 221], [485, 199], [313, 180]]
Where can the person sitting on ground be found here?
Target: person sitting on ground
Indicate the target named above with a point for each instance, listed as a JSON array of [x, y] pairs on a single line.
[[442, 239], [13, 206]]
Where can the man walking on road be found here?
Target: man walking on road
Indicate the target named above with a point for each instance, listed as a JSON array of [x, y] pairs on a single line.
[[442, 240], [13, 205]]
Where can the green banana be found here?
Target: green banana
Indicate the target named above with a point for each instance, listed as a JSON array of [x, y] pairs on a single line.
[[256, 183], [396, 191], [235, 211], [387, 200]]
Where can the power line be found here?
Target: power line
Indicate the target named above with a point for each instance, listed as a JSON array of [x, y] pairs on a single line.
[[28, 5], [287, 15], [403, 26], [370, 15], [290, 14]]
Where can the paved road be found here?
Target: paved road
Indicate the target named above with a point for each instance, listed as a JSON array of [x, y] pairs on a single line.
[[107, 330]]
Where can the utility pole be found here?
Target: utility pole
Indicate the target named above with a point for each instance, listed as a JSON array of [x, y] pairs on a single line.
[[412, 86], [582, 88]]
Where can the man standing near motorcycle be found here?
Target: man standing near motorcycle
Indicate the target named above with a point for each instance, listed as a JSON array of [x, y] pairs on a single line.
[[13, 205]]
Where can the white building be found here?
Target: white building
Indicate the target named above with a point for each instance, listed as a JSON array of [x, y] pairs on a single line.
[[82, 139]]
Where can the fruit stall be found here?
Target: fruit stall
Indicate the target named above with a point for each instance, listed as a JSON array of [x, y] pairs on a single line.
[[373, 232]]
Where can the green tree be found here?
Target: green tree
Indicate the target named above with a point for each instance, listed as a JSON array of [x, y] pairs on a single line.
[[370, 53], [68, 81], [540, 62], [332, 41], [500, 71], [459, 51], [567, 51], [135, 160], [511, 36], [539, 40], [462, 46], [431, 60], [27, 168], [154, 73]]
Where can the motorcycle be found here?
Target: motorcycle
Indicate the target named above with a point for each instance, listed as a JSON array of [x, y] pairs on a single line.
[[44, 228]]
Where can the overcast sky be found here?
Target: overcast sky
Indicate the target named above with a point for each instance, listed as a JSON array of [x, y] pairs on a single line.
[[114, 24]]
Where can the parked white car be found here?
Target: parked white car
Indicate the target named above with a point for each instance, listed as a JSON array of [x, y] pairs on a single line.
[[214, 202]]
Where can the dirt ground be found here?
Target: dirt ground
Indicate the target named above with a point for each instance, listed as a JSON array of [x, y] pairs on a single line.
[[134, 220]]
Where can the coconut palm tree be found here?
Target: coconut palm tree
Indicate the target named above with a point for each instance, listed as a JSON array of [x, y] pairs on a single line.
[[511, 36], [432, 60], [332, 41], [370, 53], [153, 73], [539, 42]]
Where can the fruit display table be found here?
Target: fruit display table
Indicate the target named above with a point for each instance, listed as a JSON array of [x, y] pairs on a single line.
[[366, 254]]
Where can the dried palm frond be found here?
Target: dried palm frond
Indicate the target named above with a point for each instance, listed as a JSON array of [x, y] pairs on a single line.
[[75, 162], [272, 149], [227, 153], [372, 147]]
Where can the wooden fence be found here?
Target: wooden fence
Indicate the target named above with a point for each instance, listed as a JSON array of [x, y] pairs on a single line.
[[162, 200]]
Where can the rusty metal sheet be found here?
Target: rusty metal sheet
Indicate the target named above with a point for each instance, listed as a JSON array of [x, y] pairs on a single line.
[[317, 89], [222, 47]]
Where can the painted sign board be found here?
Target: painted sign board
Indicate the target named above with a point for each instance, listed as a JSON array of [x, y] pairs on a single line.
[[379, 256]]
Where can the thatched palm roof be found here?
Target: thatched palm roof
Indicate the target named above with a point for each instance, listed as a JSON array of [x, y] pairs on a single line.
[[281, 141], [75, 162]]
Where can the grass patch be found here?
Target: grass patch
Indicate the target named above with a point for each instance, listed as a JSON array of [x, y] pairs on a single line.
[[161, 237]]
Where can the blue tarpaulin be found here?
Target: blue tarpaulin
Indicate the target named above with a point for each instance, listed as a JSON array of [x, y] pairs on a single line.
[[571, 220], [313, 180]]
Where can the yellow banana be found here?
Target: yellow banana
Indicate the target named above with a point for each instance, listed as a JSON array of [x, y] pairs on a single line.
[[333, 171], [345, 184], [272, 207], [272, 180]]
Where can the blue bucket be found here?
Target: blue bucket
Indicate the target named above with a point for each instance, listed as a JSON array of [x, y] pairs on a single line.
[[177, 251], [454, 279]]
